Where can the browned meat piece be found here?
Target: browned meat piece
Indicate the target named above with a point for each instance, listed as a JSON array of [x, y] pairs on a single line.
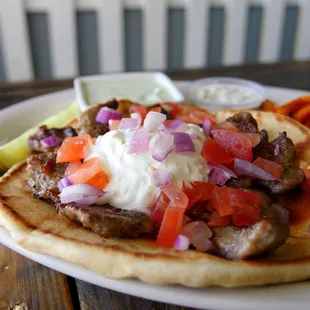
[[44, 175], [264, 236], [34, 142], [291, 178], [110, 222], [243, 181], [244, 122], [264, 148]]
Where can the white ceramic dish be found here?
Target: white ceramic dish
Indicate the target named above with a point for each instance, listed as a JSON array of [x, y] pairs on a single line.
[[214, 105], [143, 87], [284, 297]]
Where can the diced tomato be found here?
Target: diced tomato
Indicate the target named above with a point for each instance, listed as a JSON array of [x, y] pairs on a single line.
[[175, 195], [113, 124], [234, 143], [226, 125], [269, 166], [221, 202], [99, 180], [170, 226], [245, 215], [172, 108], [159, 207], [240, 198], [156, 109], [214, 153], [209, 206], [86, 171], [141, 109], [72, 148], [198, 117], [72, 167], [217, 220], [253, 137], [198, 191]]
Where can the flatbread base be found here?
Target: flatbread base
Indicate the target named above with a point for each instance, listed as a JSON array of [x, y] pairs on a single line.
[[35, 225]]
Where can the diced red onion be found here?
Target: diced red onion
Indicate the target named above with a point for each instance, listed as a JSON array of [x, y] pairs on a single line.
[[50, 141], [139, 142], [153, 120], [183, 142], [105, 114], [161, 145], [217, 177], [182, 243], [282, 214], [161, 178], [207, 126], [175, 125], [199, 235], [80, 194], [129, 123], [64, 182], [254, 138], [244, 167], [222, 168]]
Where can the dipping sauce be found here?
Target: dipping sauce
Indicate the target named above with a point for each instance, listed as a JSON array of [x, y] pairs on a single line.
[[227, 93]]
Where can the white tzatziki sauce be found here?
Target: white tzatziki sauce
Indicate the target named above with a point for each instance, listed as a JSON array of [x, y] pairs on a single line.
[[130, 175], [227, 93]]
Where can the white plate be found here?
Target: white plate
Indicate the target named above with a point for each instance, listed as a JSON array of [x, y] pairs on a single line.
[[284, 297]]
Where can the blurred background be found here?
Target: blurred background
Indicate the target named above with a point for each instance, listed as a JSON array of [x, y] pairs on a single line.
[[45, 39]]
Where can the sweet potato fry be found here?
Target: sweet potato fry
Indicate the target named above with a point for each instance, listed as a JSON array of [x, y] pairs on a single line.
[[268, 106], [303, 114], [293, 106]]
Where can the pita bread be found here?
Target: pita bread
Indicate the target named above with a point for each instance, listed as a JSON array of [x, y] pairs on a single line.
[[35, 225]]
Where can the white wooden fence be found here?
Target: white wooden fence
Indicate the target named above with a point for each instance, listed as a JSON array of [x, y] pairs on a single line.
[[62, 29]]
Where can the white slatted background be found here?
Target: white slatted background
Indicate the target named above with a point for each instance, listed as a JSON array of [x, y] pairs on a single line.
[[62, 31]]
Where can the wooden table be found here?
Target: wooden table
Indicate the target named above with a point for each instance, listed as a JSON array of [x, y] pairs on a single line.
[[25, 284]]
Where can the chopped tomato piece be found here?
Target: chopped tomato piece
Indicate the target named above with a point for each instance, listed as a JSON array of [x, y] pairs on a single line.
[[99, 180], [198, 191], [198, 117], [269, 166], [245, 215], [175, 195], [86, 171], [209, 206], [253, 137], [72, 167], [141, 109], [113, 124], [159, 207], [221, 202], [214, 153], [170, 226], [234, 143], [72, 148], [156, 109], [217, 220], [172, 108], [226, 125], [240, 198]]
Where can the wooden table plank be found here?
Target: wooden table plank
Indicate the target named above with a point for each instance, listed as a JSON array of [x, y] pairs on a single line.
[[31, 285], [93, 297]]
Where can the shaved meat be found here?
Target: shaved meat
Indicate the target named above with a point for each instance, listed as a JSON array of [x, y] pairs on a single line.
[[244, 122]]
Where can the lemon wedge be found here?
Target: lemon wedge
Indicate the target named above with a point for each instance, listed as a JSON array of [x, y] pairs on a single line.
[[16, 150]]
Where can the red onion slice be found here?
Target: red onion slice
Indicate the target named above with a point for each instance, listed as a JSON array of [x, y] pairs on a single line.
[[222, 168], [105, 114], [153, 120], [282, 214], [139, 142], [161, 145], [79, 193], [182, 243], [183, 142], [199, 235], [161, 178], [129, 123], [50, 141], [175, 125], [244, 167], [207, 126], [217, 177], [64, 182]]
